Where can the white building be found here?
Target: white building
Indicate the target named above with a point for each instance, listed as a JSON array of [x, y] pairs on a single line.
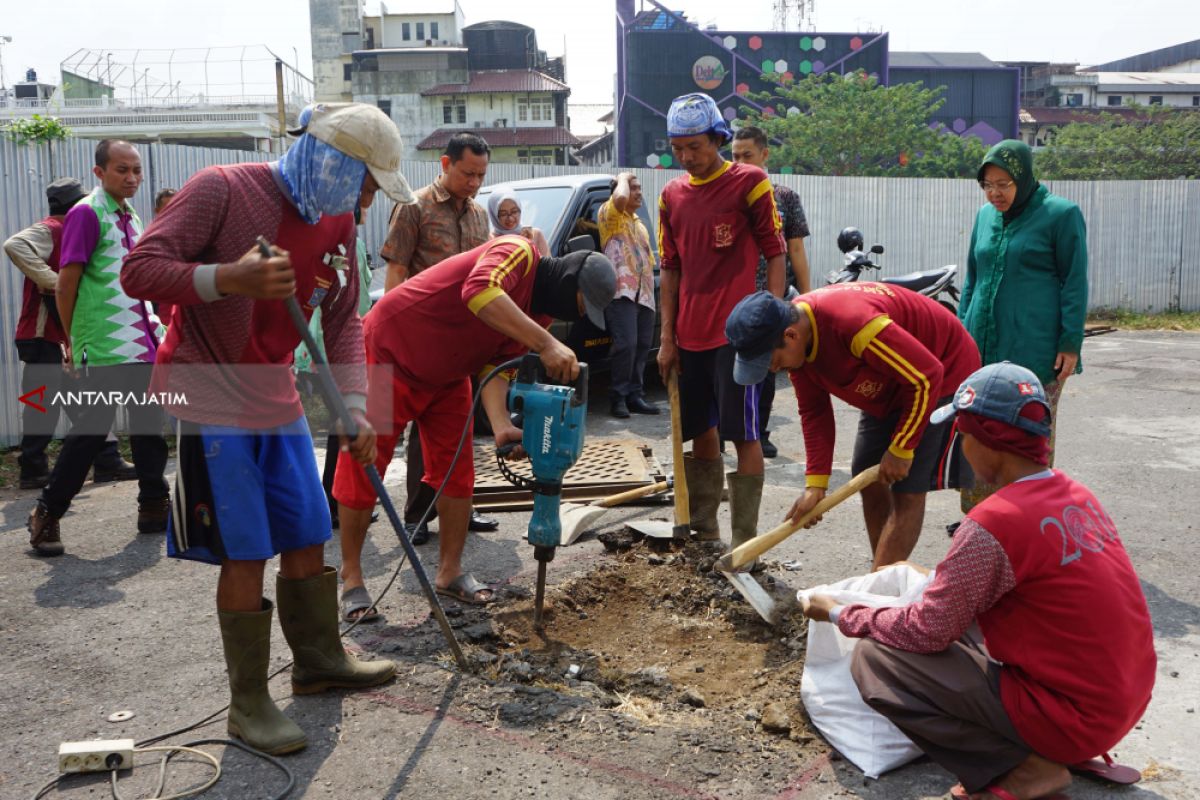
[[1180, 89], [438, 24], [520, 113]]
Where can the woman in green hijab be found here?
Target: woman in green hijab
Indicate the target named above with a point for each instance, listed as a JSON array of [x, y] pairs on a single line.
[[1025, 294]]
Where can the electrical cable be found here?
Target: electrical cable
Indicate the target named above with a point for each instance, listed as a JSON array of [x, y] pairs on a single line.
[[168, 751]]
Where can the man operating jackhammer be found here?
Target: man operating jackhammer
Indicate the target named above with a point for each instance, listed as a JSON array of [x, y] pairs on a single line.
[[889, 352], [1067, 663], [247, 486], [459, 318]]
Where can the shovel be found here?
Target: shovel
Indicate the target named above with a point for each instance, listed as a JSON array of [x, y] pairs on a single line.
[[576, 518], [660, 529], [744, 554]]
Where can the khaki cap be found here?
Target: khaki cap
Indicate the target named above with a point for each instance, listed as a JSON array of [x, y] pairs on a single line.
[[366, 134]]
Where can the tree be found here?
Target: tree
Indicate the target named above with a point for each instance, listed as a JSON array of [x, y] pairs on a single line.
[[36, 130], [1156, 143], [850, 125]]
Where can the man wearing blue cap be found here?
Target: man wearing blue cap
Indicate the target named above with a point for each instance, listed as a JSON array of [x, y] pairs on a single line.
[[1067, 662], [712, 225], [892, 354]]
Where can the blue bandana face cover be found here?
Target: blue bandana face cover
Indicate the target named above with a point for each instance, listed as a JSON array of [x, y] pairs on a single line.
[[321, 179]]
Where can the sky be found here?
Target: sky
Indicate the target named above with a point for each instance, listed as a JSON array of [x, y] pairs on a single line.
[[1083, 31]]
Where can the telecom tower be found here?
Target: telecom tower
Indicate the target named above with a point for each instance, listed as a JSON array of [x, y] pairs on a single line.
[[793, 15]]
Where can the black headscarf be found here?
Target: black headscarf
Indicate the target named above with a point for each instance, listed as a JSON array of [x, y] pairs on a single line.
[[1015, 158], [555, 285]]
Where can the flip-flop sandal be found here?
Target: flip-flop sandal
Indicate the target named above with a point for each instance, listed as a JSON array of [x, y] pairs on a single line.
[[464, 589], [1106, 769], [959, 793], [358, 599]]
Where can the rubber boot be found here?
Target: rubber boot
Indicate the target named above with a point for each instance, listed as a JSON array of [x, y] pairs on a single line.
[[253, 715], [745, 496], [705, 483], [308, 614]]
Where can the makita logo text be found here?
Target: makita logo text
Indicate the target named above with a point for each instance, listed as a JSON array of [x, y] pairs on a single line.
[[546, 423]]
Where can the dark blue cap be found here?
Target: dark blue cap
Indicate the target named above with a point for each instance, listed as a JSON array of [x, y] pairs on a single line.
[[1000, 392], [753, 328]]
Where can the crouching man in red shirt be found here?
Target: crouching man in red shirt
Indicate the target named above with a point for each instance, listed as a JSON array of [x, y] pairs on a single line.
[[424, 341], [1069, 660], [891, 353]]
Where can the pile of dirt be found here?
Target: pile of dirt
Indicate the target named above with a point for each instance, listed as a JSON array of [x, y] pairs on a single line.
[[654, 633]]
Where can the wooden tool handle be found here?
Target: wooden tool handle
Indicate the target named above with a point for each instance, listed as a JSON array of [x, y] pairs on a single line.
[[682, 502], [743, 555], [632, 494]]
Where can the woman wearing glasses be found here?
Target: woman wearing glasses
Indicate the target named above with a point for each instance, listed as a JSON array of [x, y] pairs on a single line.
[[1025, 295]]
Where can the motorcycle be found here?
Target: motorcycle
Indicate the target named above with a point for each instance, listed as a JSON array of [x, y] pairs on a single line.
[[935, 283]]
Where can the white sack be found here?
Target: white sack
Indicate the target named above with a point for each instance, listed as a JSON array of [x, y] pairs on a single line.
[[865, 737]]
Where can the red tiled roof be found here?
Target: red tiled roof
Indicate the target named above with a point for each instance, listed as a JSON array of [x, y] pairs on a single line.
[[504, 137], [1062, 115], [501, 80]]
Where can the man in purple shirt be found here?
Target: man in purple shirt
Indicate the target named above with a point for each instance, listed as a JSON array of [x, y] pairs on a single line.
[[110, 344]]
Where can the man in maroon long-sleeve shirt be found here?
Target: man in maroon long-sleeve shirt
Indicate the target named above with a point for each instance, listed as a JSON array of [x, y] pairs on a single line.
[[247, 486], [1069, 660], [892, 354], [713, 224]]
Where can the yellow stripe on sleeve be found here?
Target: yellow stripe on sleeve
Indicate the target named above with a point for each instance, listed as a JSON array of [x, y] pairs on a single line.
[[763, 187], [525, 250], [914, 376], [480, 300], [868, 333], [812, 322]]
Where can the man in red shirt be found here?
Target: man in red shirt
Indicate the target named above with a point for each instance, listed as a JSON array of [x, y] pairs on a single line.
[[891, 353], [247, 485], [1069, 661], [712, 225], [424, 341]]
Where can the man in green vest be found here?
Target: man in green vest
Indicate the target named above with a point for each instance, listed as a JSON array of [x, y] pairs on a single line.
[[110, 344]]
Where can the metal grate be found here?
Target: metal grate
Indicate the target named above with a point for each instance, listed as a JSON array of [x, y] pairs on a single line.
[[607, 466]]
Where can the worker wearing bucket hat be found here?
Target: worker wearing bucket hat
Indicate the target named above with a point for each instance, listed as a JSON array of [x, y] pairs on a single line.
[[247, 486]]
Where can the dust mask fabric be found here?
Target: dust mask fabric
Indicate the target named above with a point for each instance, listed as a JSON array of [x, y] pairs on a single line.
[[321, 179]]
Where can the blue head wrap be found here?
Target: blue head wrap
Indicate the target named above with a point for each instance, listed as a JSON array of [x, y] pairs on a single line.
[[321, 179], [695, 115]]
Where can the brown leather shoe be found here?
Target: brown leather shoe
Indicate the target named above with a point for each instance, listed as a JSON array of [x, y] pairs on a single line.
[[152, 515], [44, 536]]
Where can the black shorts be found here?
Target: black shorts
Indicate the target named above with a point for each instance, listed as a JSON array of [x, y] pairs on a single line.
[[709, 397], [938, 462]]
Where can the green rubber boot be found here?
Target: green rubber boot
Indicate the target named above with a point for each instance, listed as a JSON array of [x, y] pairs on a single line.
[[745, 496], [705, 483], [308, 614], [253, 716]]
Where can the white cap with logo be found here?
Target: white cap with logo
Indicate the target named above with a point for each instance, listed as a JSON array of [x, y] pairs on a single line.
[[366, 134]]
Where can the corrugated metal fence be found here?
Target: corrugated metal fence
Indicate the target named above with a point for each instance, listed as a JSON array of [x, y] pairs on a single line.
[[1144, 254]]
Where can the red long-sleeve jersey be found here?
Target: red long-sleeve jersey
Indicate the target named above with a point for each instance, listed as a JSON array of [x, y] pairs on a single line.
[[712, 230], [231, 357], [880, 348]]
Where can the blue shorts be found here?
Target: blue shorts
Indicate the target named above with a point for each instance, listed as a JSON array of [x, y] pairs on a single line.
[[246, 495]]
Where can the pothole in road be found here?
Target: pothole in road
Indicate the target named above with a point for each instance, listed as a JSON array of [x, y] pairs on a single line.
[[655, 632]]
